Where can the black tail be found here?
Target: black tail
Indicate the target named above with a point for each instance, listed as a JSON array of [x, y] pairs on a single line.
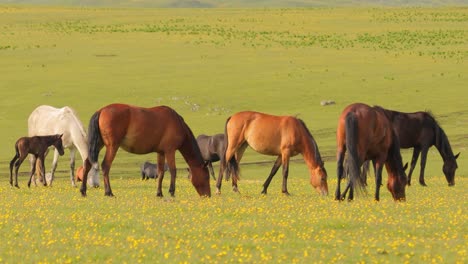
[[230, 165], [95, 143], [355, 176]]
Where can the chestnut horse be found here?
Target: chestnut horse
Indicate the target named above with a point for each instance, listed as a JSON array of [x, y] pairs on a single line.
[[367, 134], [37, 147], [282, 136], [141, 130]]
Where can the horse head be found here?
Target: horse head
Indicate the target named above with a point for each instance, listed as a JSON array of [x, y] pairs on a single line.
[[449, 168], [58, 144], [318, 179]]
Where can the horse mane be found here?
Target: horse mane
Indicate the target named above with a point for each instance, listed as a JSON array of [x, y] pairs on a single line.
[[318, 158], [72, 112], [441, 140], [191, 136]]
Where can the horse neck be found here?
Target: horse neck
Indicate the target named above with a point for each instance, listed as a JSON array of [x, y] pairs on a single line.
[[310, 152], [394, 163], [442, 144]]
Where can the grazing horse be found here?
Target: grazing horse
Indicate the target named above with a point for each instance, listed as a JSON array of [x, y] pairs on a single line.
[[212, 149], [141, 130], [48, 120], [367, 134], [282, 136], [37, 146], [420, 131], [150, 170]]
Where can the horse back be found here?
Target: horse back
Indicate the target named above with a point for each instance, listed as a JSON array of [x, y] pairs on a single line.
[[141, 130], [414, 129], [267, 134], [375, 133]]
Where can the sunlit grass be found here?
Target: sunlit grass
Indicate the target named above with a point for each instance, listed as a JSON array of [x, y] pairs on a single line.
[[57, 225]]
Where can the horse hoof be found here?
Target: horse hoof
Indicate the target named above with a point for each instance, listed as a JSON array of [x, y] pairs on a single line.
[[17, 186], [423, 184], [159, 195], [110, 194]]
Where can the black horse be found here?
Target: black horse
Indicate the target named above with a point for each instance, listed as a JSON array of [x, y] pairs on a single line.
[[420, 131], [212, 149], [37, 146]]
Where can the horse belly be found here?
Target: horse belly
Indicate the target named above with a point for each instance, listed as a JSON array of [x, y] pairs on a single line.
[[135, 146]]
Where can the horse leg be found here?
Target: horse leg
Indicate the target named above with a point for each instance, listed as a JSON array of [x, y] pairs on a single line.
[[423, 166], [41, 159], [238, 156], [339, 172], [285, 158], [12, 164], [160, 160], [222, 168], [414, 159], [72, 166], [272, 173], [170, 157], [210, 167], [106, 165], [378, 179], [33, 169], [52, 171]]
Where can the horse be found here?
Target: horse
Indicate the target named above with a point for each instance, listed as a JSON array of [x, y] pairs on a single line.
[[46, 120], [366, 134], [212, 150], [142, 130], [37, 146], [420, 131], [150, 170], [281, 136]]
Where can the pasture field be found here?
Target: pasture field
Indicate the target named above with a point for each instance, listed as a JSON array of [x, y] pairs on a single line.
[[208, 64]]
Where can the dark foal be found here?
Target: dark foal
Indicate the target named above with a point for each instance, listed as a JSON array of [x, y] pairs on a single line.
[[37, 146]]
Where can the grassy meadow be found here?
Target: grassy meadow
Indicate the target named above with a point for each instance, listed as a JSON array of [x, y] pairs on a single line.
[[208, 64]]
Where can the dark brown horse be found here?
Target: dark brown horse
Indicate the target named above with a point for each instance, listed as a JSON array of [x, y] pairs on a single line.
[[141, 130], [282, 136], [367, 134], [212, 149], [420, 131], [37, 147]]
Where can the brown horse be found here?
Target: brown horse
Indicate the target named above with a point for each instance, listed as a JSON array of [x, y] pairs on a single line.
[[141, 130], [282, 136], [367, 134], [37, 146]]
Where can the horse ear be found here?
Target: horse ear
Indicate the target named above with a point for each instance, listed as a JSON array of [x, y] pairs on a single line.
[[405, 167], [456, 156], [61, 135]]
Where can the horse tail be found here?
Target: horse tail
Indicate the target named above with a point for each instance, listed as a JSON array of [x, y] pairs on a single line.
[[95, 143], [231, 164], [355, 176]]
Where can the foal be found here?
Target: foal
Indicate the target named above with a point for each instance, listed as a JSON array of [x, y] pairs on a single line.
[[37, 146]]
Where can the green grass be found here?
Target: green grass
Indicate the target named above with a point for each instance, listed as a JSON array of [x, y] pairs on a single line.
[[208, 64]]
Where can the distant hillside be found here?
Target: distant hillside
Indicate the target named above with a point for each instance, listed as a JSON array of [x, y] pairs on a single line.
[[235, 3]]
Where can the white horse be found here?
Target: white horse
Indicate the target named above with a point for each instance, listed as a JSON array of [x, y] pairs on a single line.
[[48, 120]]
